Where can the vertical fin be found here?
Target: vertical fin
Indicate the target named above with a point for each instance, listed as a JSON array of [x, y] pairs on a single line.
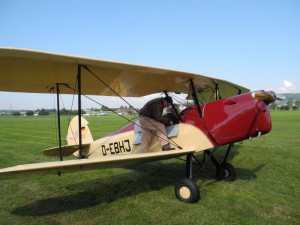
[[73, 134]]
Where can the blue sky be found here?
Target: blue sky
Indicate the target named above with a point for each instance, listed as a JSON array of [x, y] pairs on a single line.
[[252, 43]]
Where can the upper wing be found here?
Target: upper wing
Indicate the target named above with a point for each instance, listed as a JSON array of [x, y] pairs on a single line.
[[38, 72], [87, 164]]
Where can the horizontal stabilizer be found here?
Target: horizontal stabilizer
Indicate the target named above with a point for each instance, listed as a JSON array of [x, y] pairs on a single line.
[[105, 162], [67, 150]]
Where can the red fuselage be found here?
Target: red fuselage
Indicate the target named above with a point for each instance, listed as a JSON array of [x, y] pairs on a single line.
[[232, 119], [227, 120]]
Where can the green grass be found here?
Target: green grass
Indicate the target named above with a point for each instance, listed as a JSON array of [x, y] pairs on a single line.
[[266, 190]]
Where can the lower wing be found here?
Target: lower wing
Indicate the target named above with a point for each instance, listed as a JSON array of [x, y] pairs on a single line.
[[59, 167]]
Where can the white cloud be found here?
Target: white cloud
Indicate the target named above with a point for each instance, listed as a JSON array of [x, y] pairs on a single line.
[[286, 87]]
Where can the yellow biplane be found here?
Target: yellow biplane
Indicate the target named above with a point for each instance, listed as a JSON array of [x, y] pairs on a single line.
[[222, 113]]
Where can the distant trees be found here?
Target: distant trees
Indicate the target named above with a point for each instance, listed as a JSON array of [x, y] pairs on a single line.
[[104, 108], [29, 113], [70, 112], [297, 103], [16, 114], [290, 104], [43, 112], [123, 107], [273, 106], [284, 107], [95, 109]]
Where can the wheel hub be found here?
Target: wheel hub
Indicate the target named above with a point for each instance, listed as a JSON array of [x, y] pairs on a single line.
[[184, 192], [225, 173]]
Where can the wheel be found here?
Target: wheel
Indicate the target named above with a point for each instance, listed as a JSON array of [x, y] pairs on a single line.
[[226, 172], [187, 190]]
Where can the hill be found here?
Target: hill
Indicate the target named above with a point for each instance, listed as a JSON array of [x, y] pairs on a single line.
[[293, 96]]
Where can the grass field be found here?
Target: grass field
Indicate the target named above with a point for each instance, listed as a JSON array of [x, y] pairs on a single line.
[[267, 189]]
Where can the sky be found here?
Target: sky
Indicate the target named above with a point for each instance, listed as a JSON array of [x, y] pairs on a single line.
[[254, 43]]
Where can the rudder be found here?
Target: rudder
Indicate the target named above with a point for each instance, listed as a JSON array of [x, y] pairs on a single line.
[[73, 134]]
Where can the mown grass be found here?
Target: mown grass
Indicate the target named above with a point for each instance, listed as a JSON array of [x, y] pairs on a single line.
[[266, 190]]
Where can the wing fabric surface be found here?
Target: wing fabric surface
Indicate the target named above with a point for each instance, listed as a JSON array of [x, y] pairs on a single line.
[[38, 72], [87, 164]]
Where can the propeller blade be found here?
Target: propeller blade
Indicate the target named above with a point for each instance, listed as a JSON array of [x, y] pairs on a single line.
[[266, 96]]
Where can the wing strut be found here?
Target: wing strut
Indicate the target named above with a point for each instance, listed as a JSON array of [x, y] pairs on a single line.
[[175, 110], [98, 78], [79, 110], [194, 94], [58, 122], [217, 92]]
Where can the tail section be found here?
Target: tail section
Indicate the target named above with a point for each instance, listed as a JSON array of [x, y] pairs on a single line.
[[73, 140], [73, 133]]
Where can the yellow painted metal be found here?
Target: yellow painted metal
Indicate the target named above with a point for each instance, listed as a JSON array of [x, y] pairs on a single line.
[[184, 192], [97, 160], [112, 161], [38, 72], [73, 134], [185, 138], [67, 150]]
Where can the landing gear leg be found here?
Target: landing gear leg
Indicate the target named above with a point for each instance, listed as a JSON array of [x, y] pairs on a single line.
[[187, 190], [224, 170]]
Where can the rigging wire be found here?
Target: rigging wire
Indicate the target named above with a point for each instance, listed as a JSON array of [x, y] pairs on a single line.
[[70, 114], [212, 94], [176, 98], [202, 97], [98, 78], [129, 120], [148, 120]]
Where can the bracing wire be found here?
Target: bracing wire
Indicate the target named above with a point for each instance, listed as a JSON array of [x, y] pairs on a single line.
[[98, 78], [70, 114], [129, 120], [177, 99]]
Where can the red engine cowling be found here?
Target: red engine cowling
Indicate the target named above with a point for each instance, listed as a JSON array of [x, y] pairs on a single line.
[[232, 119]]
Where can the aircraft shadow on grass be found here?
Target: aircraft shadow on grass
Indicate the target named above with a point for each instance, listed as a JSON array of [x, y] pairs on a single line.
[[139, 179]]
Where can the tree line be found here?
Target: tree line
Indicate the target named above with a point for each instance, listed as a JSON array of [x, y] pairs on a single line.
[[46, 112], [289, 105]]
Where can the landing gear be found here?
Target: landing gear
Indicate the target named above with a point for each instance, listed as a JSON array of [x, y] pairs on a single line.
[[187, 190], [226, 172]]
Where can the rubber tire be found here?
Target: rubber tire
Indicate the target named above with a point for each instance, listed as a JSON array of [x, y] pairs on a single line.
[[227, 172], [188, 187]]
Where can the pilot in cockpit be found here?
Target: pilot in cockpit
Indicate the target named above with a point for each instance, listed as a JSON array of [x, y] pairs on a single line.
[[153, 122]]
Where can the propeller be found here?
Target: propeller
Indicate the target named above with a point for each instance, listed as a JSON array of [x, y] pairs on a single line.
[[280, 97], [267, 96]]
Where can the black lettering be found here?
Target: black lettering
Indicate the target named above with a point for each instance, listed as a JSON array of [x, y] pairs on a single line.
[[103, 150], [116, 147], [121, 146], [111, 149], [128, 149]]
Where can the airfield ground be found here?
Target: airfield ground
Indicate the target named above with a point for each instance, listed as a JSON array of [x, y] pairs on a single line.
[[266, 190]]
